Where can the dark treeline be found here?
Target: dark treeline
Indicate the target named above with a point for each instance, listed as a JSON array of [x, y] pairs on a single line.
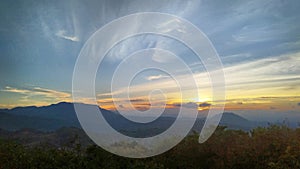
[[274, 147]]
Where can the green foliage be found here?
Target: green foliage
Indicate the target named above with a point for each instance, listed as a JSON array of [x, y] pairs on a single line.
[[275, 147]]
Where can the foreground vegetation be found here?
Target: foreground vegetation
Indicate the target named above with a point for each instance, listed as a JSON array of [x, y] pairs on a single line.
[[274, 147]]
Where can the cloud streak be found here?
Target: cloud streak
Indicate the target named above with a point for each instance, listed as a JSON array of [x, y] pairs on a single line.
[[62, 34], [276, 76], [156, 77], [37, 95]]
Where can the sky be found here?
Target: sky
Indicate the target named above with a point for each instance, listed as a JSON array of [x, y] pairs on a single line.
[[258, 43]]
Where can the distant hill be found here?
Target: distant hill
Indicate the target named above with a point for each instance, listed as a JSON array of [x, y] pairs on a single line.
[[45, 118], [234, 121], [61, 111], [55, 116]]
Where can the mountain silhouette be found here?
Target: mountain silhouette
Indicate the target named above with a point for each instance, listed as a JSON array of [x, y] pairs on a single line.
[[55, 116]]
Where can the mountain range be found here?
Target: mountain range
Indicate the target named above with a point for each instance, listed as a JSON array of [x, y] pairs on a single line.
[[56, 116]]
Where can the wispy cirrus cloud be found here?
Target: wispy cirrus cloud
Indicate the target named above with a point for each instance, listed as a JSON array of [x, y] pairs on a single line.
[[156, 77], [36, 96], [38, 91], [269, 77], [63, 34]]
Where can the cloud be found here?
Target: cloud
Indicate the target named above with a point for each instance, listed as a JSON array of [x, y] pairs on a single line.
[[256, 33], [146, 41], [204, 104], [130, 45], [273, 72], [62, 34], [50, 93], [6, 106], [141, 108], [15, 90], [185, 105], [274, 76], [156, 77], [172, 25], [37, 95], [264, 98], [138, 100]]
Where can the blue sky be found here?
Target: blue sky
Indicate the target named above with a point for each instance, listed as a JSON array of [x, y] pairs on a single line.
[[258, 41]]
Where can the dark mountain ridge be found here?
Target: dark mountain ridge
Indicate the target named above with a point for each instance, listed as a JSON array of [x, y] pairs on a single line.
[[55, 116]]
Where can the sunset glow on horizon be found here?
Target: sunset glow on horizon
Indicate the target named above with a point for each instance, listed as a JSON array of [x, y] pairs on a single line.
[[258, 44]]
